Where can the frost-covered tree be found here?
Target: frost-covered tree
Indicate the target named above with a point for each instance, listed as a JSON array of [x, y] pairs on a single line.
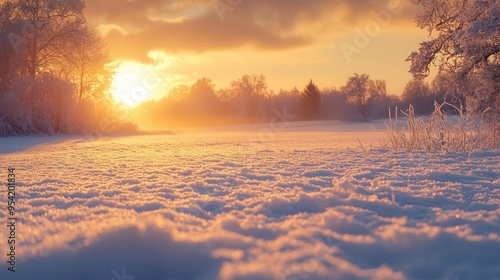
[[54, 69], [465, 42], [46, 30]]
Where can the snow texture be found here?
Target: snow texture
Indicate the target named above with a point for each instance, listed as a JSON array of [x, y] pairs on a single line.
[[232, 205]]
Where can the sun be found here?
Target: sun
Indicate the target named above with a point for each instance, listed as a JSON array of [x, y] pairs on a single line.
[[128, 87]]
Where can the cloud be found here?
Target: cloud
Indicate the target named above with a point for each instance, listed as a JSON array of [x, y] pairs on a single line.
[[137, 27]]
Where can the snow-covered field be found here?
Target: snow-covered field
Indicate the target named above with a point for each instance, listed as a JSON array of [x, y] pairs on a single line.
[[303, 203]]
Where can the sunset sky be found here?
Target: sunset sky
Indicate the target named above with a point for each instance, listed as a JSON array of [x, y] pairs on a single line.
[[289, 41]]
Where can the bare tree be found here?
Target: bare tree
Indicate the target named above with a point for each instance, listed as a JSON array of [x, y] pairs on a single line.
[[47, 28], [88, 66], [378, 88], [253, 88], [417, 93], [358, 90]]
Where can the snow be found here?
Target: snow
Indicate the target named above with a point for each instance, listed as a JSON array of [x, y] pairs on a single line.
[[226, 203]]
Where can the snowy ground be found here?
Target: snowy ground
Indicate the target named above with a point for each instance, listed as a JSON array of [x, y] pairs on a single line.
[[304, 203]]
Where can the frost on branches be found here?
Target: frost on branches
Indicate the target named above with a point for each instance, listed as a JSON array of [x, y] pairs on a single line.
[[55, 71], [464, 41]]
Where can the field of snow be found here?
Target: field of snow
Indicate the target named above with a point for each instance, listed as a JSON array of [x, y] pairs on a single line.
[[303, 203]]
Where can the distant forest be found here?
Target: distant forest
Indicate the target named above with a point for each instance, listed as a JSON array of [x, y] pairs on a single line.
[[249, 100]]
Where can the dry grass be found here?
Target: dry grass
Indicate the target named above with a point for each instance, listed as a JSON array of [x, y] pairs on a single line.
[[442, 133]]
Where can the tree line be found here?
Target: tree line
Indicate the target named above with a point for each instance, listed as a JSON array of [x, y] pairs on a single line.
[[248, 99]]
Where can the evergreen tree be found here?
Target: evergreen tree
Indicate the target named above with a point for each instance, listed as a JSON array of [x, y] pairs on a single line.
[[310, 102]]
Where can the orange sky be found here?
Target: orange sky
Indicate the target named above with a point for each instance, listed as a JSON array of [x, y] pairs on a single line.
[[289, 41]]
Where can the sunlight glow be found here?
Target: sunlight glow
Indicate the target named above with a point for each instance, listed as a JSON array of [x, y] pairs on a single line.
[[135, 82], [128, 87]]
